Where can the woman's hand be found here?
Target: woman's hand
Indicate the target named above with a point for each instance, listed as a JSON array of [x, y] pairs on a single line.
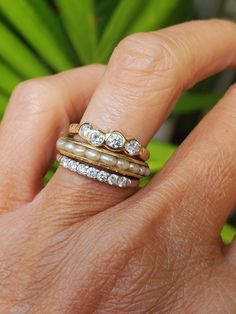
[[77, 246]]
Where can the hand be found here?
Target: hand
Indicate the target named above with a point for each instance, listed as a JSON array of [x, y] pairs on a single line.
[[77, 246]]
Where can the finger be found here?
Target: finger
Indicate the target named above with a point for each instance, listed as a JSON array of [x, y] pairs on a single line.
[[145, 76], [195, 192], [39, 110]]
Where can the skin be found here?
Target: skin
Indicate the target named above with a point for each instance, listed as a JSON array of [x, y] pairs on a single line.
[[78, 246]]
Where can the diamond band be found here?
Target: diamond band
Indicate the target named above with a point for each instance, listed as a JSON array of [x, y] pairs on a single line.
[[112, 140], [96, 174]]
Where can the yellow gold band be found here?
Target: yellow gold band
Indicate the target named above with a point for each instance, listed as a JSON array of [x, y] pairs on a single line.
[[112, 140], [102, 158]]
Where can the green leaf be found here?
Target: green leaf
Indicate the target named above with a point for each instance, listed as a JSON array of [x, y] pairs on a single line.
[[3, 103], [79, 20], [10, 79], [32, 27], [19, 56], [50, 172], [228, 233], [154, 15], [120, 20], [159, 154], [190, 102], [54, 23]]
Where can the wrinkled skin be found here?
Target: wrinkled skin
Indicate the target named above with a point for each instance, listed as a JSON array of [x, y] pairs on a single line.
[[77, 246]]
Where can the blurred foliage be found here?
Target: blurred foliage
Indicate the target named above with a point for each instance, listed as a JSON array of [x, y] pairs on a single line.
[[42, 37]]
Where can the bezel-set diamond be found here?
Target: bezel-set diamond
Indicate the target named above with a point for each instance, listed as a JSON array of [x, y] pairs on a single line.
[[115, 140], [85, 129], [132, 147], [96, 138]]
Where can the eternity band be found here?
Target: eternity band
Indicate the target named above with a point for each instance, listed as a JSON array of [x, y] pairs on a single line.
[[96, 174]]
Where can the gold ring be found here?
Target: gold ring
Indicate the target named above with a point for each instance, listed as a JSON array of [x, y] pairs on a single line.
[[102, 158], [112, 140]]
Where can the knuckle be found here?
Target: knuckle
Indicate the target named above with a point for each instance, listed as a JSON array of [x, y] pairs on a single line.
[[33, 94], [145, 52]]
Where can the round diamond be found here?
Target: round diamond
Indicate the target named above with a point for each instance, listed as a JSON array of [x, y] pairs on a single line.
[[64, 161], [122, 182], [115, 140], [102, 176], [97, 138], [82, 169], [85, 129], [92, 173], [132, 147], [72, 165], [112, 180]]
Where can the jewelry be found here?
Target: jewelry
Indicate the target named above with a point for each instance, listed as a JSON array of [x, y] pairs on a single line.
[[112, 140], [102, 158], [96, 174]]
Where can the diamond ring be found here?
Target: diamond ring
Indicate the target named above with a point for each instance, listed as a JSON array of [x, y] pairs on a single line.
[[95, 173], [112, 140]]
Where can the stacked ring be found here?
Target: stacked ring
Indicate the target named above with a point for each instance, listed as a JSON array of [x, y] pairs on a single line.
[[95, 173], [107, 157], [112, 140], [102, 158]]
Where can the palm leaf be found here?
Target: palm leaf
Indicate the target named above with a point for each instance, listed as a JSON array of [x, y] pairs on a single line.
[[118, 24], [160, 152], [154, 15], [228, 233], [19, 56], [28, 22], [79, 20], [3, 103], [9, 79], [54, 23], [190, 102]]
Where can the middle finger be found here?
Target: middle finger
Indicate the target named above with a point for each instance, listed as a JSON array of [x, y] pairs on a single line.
[[144, 78]]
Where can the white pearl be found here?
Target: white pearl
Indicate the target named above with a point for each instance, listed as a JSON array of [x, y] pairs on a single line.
[[60, 143], [108, 159], [147, 173], [122, 164], [92, 154], [79, 150], [142, 170], [69, 147], [134, 168]]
